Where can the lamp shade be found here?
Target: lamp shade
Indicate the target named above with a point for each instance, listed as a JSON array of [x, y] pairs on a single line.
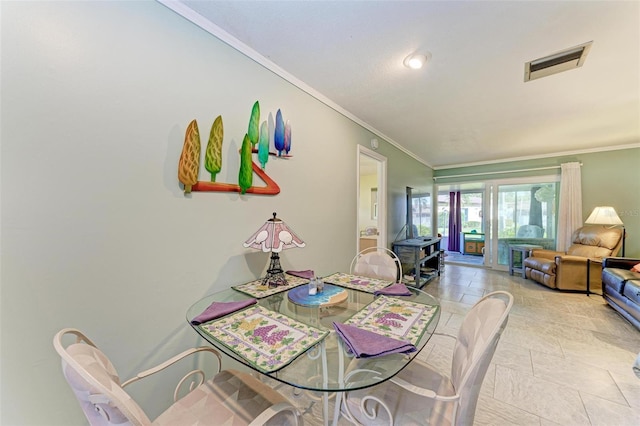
[[274, 236], [604, 215]]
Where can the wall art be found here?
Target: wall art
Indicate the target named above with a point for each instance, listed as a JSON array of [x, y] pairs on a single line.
[[255, 141]]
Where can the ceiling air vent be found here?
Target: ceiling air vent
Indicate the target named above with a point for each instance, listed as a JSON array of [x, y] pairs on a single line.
[[565, 60]]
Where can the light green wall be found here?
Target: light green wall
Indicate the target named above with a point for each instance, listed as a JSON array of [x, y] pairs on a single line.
[[613, 179], [96, 232], [610, 178], [402, 173]]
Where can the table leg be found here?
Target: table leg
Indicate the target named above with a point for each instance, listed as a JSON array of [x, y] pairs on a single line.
[[510, 261], [525, 254], [325, 378], [336, 409], [326, 395], [325, 408], [588, 277]]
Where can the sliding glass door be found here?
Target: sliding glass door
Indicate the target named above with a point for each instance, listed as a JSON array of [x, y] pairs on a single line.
[[484, 218], [524, 213]]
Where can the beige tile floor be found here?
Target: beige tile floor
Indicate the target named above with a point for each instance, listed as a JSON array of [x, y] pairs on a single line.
[[564, 359]]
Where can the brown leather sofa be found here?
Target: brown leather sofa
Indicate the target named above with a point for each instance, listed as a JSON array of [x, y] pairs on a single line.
[[621, 288], [568, 271]]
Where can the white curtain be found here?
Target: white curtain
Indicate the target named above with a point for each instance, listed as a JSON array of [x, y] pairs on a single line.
[[570, 207]]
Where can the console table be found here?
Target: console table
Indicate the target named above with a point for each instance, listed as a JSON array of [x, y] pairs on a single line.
[[525, 250], [423, 254]]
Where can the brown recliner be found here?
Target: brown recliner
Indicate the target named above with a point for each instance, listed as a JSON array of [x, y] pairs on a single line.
[[568, 271]]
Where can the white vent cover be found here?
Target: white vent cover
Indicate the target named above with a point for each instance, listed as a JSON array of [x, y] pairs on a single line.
[[564, 60]]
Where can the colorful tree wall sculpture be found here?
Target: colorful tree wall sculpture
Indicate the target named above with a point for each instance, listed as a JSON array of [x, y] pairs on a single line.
[[255, 141]]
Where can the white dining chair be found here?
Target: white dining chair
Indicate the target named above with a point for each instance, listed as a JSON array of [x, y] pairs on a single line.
[[377, 262], [418, 395], [229, 397]]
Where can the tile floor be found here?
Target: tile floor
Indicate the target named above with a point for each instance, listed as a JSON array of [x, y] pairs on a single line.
[[564, 359], [463, 259]]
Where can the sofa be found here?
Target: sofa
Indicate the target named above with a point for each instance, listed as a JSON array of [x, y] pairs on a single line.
[[568, 270], [621, 287]]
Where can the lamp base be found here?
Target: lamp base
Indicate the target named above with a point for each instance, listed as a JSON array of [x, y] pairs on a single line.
[[275, 275]]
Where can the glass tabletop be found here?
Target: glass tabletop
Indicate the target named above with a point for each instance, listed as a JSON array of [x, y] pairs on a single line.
[[326, 366]]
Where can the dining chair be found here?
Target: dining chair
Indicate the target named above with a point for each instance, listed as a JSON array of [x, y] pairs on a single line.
[[377, 262], [229, 397], [419, 395]]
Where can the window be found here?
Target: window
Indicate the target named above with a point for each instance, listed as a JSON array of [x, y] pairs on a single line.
[[527, 204], [421, 214], [526, 214]]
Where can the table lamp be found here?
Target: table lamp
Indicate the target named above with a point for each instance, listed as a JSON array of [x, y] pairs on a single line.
[[606, 215], [274, 236]]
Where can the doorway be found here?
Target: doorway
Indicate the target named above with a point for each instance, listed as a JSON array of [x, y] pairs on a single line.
[[463, 224], [371, 183]]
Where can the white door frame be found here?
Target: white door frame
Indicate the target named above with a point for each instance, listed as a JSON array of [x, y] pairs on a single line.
[[382, 194]]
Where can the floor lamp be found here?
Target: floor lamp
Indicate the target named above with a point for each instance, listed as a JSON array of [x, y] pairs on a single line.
[[606, 215]]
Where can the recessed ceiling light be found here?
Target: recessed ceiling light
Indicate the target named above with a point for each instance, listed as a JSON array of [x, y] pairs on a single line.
[[416, 60]]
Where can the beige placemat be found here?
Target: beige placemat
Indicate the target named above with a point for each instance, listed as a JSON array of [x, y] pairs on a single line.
[[356, 282], [393, 317], [265, 339], [257, 290]]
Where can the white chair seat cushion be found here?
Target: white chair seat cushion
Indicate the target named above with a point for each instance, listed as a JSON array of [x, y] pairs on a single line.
[[231, 398], [408, 408]]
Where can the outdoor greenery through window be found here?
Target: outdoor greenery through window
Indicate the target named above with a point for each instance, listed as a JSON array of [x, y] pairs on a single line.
[[421, 213], [471, 212], [527, 204]]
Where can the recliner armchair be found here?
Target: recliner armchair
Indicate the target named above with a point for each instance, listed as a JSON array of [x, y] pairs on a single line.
[[568, 271]]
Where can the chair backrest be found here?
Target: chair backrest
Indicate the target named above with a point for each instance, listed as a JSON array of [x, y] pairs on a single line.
[[95, 383], [595, 241], [530, 231], [377, 262], [475, 345]]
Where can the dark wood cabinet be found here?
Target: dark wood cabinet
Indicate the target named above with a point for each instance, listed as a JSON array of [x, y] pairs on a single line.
[[420, 258]]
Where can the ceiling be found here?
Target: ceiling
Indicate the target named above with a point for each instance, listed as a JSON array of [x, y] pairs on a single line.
[[469, 104]]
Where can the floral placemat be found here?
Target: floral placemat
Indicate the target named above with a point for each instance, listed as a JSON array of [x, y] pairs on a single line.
[[266, 339], [369, 285], [392, 317], [257, 290]]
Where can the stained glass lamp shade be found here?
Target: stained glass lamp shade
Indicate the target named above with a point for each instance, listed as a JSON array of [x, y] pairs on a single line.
[[274, 236]]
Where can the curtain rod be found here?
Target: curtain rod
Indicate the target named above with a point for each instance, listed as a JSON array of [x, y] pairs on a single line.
[[499, 172]]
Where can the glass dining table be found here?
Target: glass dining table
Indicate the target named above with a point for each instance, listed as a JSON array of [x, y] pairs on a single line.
[[326, 366]]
